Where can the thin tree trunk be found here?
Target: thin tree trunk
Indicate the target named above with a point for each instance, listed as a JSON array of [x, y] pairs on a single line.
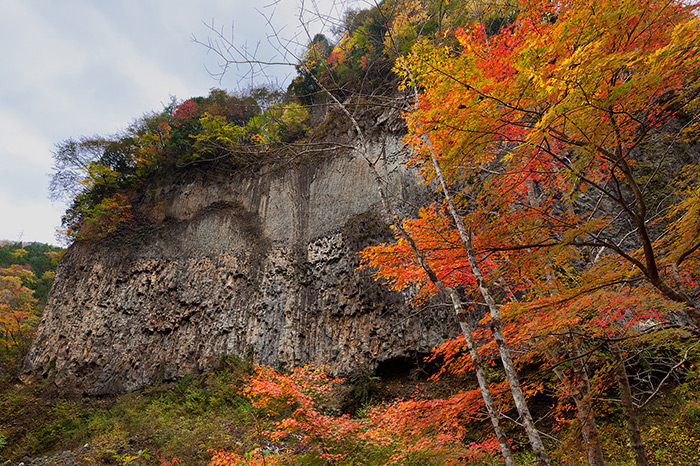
[[581, 393], [583, 417], [496, 325], [628, 409], [506, 450], [584, 408], [473, 351]]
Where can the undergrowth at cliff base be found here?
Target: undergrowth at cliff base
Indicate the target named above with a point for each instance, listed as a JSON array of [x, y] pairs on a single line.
[[182, 421], [242, 414]]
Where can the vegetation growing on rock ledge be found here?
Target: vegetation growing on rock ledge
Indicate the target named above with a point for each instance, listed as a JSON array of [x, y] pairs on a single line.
[[97, 174]]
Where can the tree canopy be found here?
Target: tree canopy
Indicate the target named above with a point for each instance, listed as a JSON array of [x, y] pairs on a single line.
[[563, 137], [566, 145]]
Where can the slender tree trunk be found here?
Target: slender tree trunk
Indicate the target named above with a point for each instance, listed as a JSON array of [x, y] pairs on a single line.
[[628, 409], [584, 408], [496, 325], [581, 393], [508, 365], [584, 418], [506, 450], [473, 351]]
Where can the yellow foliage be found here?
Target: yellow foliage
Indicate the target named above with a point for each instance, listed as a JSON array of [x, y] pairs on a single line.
[[16, 306]]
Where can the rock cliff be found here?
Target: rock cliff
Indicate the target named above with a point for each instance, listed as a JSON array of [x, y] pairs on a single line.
[[236, 262]]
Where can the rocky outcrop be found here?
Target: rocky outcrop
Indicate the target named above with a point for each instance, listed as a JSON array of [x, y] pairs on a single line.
[[235, 262]]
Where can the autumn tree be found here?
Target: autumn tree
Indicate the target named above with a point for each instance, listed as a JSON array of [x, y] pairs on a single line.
[[26, 275], [40, 259], [559, 137], [18, 314], [391, 21], [565, 131]]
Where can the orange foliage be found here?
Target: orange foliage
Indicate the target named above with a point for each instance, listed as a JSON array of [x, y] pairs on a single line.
[[102, 219], [546, 132], [390, 434], [555, 135]]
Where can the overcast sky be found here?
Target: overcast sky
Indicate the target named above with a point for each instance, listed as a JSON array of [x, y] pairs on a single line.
[[74, 68]]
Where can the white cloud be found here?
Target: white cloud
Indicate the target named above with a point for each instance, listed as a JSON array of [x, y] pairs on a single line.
[[30, 220]]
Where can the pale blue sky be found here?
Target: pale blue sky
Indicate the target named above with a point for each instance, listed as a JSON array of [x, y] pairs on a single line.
[[74, 68]]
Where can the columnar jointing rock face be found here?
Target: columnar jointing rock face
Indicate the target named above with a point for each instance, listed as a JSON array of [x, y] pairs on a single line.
[[264, 262]]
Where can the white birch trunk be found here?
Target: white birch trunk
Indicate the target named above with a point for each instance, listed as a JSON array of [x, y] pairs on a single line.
[[496, 325]]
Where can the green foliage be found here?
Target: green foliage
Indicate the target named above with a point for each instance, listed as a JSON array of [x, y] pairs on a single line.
[[360, 63], [371, 39], [359, 391], [88, 172], [99, 220], [99, 174], [3, 444], [279, 123], [66, 423], [676, 444], [312, 70], [360, 60], [33, 424], [41, 258], [126, 459], [183, 421], [216, 134]]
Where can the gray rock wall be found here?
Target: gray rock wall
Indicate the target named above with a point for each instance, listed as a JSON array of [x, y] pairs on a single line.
[[235, 261]]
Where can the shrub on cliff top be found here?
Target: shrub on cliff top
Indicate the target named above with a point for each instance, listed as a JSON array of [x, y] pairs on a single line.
[[95, 174]]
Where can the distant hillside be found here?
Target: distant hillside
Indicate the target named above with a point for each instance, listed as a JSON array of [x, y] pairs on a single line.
[[41, 259]]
